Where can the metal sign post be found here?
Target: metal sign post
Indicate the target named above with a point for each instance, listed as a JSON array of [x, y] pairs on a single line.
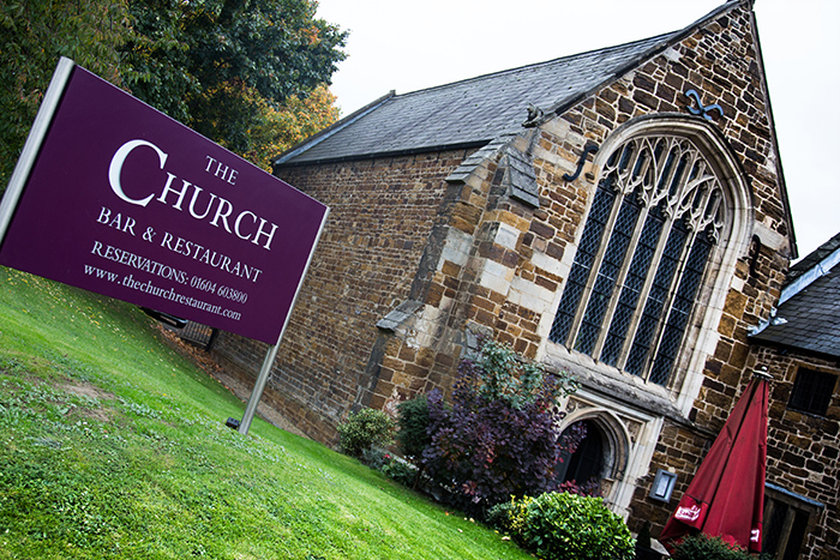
[[257, 391], [265, 370]]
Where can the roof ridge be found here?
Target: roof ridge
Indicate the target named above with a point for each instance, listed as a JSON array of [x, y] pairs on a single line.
[[657, 47], [807, 262], [535, 65], [662, 37], [822, 268], [817, 264], [608, 63], [823, 260]]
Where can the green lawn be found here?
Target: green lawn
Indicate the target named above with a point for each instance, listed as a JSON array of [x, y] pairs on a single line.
[[113, 446]]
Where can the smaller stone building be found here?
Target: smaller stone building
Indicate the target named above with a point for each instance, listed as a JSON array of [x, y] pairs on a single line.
[[800, 346]]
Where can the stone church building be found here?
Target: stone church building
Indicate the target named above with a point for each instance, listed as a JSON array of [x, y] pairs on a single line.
[[619, 214]]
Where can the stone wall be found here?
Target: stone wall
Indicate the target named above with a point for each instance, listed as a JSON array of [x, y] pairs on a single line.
[[510, 276], [803, 449], [422, 253], [382, 213], [504, 262]]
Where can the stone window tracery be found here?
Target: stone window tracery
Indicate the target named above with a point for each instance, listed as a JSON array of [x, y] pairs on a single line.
[[658, 213]]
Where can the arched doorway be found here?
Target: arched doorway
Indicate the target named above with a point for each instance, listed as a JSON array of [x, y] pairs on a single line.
[[587, 464]]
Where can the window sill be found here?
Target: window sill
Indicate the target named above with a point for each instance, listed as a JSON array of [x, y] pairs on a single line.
[[609, 382]]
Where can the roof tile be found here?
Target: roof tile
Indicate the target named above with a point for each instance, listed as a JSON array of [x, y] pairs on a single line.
[[471, 112]]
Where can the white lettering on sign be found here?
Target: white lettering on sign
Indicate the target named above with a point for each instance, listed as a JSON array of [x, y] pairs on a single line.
[[114, 170], [247, 225], [688, 513], [123, 223], [220, 170]]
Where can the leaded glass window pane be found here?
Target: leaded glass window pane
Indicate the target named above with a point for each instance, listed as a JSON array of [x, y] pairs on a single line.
[[585, 256], [605, 280], [643, 343], [680, 310], [628, 303], [633, 285]]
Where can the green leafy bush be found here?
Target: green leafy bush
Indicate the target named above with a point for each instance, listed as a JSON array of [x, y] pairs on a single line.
[[413, 424], [363, 429], [510, 516], [375, 457], [399, 471], [565, 526], [702, 547]]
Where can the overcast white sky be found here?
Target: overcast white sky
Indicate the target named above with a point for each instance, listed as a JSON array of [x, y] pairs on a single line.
[[411, 45]]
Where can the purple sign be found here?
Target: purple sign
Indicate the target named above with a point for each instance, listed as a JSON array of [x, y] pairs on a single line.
[[126, 202]]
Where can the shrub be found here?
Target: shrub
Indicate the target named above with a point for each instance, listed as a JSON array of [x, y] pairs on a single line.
[[503, 375], [564, 526], [363, 429], [413, 424], [399, 471], [499, 438], [509, 516], [702, 547], [375, 457]]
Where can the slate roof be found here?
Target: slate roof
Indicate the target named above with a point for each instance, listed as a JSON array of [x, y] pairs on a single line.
[[471, 113], [808, 316], [810, 261], [487, 111]]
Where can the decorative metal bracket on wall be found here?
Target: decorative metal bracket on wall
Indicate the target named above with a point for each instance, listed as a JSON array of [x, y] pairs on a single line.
[[701, 109], [586, 151]]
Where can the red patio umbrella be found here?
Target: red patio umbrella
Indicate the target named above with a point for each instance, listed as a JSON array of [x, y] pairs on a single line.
[[726, 497]]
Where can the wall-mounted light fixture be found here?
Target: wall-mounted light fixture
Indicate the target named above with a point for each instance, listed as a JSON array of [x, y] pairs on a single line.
[[663, 485]]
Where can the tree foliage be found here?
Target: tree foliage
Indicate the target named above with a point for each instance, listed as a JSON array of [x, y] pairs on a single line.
[[245, 73], [279, 129], [33, 35], [231, 69]]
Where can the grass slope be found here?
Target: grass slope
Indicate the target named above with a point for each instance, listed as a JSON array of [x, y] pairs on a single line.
[[113, 446]]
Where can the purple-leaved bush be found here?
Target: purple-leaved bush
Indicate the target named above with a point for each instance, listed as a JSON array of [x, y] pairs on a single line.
[[499, 436]]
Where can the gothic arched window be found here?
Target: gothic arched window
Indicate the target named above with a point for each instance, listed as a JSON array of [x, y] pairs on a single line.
[[657, 214]]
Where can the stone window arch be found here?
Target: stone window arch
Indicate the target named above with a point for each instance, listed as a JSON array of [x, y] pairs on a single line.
[[668, 218]]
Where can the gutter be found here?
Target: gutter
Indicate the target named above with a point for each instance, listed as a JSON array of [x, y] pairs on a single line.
[[804, 280], [376, 155]]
